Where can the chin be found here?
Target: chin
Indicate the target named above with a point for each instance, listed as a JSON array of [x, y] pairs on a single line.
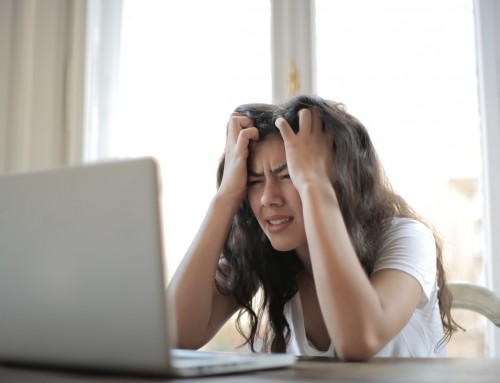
[[282, 247]]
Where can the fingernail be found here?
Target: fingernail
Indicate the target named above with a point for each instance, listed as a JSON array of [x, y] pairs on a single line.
[[278, 121]]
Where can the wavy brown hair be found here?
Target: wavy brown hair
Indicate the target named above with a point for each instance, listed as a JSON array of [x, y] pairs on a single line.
[[367, 202]]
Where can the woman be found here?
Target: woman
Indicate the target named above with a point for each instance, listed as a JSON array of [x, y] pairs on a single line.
[[304, 213]]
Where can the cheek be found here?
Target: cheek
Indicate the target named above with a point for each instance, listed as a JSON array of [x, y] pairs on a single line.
[[296, 204], [293, 197]]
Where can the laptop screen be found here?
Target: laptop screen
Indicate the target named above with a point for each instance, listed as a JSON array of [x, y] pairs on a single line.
[[81, 267]]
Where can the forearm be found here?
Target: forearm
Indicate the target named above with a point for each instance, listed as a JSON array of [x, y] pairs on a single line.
[[350, 306], [200, 307], [361, 313]]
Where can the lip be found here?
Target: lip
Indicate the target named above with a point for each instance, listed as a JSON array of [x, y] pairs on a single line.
[[281, 222]]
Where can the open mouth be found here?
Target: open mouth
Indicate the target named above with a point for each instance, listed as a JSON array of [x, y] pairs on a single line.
[[280, 221], [277, 224]]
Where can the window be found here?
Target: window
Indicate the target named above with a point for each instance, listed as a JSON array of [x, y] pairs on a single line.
[[183, 67], [407, 70]]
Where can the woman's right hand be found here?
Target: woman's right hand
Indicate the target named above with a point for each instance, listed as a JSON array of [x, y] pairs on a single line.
[[240, 131], [201, 308]]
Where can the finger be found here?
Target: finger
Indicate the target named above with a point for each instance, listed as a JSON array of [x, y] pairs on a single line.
[[250, 133], [305, 120], [247, 134], [317, 122], [236, 123], [284, 128]]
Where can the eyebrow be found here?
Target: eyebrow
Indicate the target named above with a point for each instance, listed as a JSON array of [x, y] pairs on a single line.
[[278, 169]]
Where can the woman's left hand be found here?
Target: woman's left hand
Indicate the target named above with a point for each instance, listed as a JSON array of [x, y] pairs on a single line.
[[309, 153]]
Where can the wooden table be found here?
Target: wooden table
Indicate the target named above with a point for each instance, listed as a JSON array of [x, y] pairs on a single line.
[[312, 370]]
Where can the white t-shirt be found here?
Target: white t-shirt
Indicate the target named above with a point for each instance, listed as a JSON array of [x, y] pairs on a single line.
[[409, 246]]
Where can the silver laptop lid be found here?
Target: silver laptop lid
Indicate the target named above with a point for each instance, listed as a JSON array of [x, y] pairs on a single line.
[[81, 268]]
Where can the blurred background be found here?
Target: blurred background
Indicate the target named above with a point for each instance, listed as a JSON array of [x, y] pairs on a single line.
[[91, 80]]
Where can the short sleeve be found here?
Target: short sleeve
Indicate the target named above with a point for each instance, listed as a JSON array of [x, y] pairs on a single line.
[[408, 245]]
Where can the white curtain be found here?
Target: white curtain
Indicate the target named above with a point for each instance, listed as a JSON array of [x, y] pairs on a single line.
[[42, 68]]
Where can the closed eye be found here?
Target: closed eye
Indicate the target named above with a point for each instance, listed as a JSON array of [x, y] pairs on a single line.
[[254, 182]]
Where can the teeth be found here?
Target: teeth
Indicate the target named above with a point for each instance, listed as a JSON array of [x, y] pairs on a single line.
[[279, 221]]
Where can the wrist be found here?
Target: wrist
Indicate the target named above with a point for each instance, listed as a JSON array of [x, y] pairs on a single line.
[[318, 191], [226, 200]]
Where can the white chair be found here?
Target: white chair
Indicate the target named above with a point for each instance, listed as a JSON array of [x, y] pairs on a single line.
[[476, 298]]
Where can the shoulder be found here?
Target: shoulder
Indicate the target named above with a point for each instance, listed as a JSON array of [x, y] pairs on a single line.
[[405, 227], [405, 236], [408, 245]]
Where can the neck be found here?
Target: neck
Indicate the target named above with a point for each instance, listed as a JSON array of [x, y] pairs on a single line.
[[303, 254]]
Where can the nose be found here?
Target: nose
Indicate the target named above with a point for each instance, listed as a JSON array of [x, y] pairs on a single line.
[[272, 194]]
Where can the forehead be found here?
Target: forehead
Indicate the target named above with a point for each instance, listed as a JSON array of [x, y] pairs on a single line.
[[268, 153]]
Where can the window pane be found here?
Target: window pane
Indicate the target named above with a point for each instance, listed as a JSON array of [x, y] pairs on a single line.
[[184, 66], [407, 70]]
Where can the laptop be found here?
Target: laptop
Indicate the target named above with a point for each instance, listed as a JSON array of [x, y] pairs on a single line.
[[82, 270]]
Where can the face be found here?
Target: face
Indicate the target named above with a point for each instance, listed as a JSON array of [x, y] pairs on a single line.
[[274, 200]]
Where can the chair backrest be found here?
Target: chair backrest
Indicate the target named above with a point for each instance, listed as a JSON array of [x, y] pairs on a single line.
[[476, 298]]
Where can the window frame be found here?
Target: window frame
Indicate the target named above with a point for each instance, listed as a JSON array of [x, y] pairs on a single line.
[[293, 28], [487, 24]]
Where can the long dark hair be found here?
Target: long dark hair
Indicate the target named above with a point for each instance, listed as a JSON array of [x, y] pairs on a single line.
[[367, 201]]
